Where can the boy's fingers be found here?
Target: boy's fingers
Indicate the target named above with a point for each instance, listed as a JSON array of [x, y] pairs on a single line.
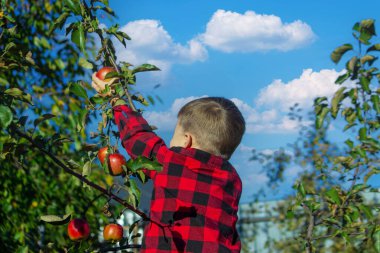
[[96, 87]]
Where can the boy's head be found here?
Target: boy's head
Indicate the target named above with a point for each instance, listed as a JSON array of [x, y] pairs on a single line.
[[212, 124]]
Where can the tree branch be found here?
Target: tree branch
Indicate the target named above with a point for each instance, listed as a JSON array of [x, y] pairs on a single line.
[[79, 176], [310, 229]]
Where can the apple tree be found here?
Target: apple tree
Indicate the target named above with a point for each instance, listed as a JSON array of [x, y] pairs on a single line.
[[49, 169]]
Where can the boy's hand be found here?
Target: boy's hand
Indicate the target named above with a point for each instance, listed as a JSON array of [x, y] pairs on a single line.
[[100, 85]]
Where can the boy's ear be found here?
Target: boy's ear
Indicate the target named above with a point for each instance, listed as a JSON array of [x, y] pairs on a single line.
[[188, 140]]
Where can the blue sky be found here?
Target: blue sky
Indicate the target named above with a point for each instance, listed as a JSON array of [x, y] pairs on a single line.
[[264, 55]]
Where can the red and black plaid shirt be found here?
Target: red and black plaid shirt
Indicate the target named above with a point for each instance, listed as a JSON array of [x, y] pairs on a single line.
[[195, 197]]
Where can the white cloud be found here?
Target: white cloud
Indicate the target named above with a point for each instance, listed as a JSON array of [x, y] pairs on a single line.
[[301, 90], [151, 43], [250, 32], [269, 113], [166, 120], [268, 121]]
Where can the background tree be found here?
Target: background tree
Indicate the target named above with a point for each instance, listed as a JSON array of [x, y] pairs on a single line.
[[329, 212], [48, 51]]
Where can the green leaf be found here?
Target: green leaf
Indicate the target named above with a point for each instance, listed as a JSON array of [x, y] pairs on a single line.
[[9, 46], [367, 30], [85, 64], [337, 54], [375, 47], [376, 238], [86, 170], [333, 195], [14, 92], [78, 90], [352, 63], [99, 99], [331, 220], [145, 67], [321, 117], [18, 94], [366, 210], [365, 82], [81, 119], [375, 103], [342, 78], [359, 187], [6, 116], [45, 43], [142, 162], [141, 175], [362, 133], [56, 219], [336, 101], [78, 37], [367, 59], [9, 18], [43, 118], [349, 143], [74, 6], [134, 191], [59, 22], [60, 64], [301, 190]]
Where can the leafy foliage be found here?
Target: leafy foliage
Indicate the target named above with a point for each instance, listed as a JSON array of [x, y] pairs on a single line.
[[46, 50], [329, 212]]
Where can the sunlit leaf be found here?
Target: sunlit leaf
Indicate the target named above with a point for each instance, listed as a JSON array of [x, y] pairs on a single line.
[[6, 116], [321, 117], [145, 67], [56, 219], [43, 118], [336, 101], [73, 5], [366, 210], [78, 37], [333, 196], [376, 103], [374, 47], [78, 90], [337, 54], [14, 92], [85, 64], [142, 162]]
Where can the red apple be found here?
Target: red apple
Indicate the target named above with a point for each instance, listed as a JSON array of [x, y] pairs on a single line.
[[102, 154], [78, 229], [101, 74], [115, 163], [113, 232]]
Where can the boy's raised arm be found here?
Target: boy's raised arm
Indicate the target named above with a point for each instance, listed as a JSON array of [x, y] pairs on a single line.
[[136, 135]]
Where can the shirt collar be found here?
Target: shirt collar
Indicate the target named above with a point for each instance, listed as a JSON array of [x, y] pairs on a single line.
[[200, 155]]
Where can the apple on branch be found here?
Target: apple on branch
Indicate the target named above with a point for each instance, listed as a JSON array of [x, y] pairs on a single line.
[[113, 233], [115, 161], [78, 229], [99, 80]]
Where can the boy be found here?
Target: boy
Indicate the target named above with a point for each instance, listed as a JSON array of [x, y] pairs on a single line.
[[195, 197]]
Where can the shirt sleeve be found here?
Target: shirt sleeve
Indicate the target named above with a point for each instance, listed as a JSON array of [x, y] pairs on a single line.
[[137, 136]]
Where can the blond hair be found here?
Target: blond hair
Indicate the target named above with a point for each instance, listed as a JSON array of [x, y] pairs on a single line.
[[216, 123]]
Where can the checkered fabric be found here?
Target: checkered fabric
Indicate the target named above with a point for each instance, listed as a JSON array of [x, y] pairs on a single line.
[[195, 198]]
